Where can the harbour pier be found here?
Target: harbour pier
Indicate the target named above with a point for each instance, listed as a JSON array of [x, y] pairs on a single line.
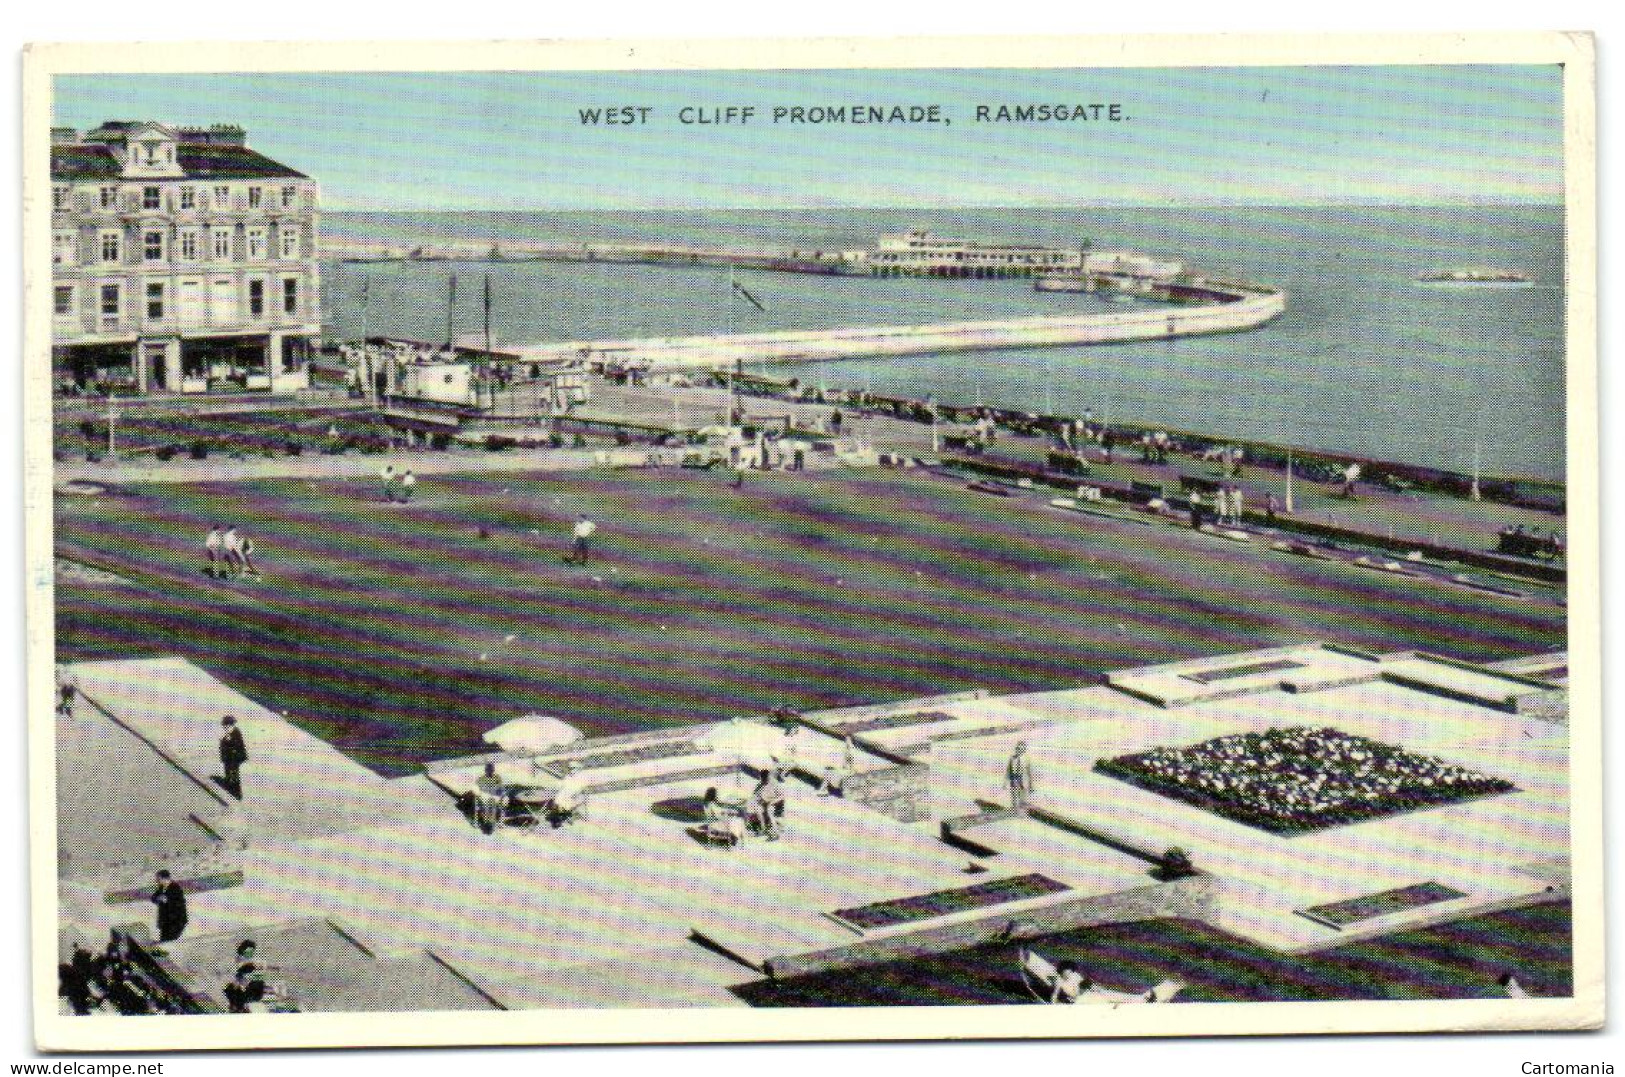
[[1246, 306]]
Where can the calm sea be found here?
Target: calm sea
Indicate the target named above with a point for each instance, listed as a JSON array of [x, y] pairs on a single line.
[[1365, 361]]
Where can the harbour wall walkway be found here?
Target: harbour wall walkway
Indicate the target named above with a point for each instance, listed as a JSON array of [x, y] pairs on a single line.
[[1252, 307]]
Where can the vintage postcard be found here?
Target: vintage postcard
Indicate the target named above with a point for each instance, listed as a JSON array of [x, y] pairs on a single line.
[[665, 542]]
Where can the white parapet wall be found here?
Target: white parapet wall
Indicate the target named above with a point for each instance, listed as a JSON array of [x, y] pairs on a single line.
[[1254, 307]]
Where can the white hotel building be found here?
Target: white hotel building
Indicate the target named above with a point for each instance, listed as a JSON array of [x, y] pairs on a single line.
[[182, 262]]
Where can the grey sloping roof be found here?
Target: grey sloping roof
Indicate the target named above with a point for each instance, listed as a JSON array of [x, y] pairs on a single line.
[[198, 161], [83, 162], [230, 162]]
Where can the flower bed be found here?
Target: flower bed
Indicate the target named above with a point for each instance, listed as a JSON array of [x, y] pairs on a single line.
[[1299, 779]]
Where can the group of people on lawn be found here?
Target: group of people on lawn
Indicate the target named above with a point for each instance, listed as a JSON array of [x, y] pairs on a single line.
[[227, 552]]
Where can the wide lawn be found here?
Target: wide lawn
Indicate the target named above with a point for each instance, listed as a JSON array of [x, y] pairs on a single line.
[[1451, 961], [401, 633]]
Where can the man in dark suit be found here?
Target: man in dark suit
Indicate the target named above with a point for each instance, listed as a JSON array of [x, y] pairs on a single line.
[[233, 754], [171, 902]]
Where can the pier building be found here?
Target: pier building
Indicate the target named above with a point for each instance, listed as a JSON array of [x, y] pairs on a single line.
[[921, 254], [182, 261]]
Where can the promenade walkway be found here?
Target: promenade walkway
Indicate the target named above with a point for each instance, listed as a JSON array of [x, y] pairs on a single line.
[[1400, 515]]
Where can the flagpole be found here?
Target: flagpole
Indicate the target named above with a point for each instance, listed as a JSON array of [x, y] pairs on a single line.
[[486, 362], [451, 304], [727, 336]]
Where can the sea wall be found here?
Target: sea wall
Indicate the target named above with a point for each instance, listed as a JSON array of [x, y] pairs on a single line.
[[1254, 308]]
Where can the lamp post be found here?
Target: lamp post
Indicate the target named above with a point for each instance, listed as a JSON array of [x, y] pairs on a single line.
[[1289, 506]]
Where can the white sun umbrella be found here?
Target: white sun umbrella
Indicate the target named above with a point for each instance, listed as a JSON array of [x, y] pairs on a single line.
[[748, 741], [533, 733]]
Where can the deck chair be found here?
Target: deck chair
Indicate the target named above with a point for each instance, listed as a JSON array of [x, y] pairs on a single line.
[[729, 831], [1038, 975], [527, 807]]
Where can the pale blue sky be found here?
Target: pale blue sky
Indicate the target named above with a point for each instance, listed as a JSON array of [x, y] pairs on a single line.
[[506, 141]]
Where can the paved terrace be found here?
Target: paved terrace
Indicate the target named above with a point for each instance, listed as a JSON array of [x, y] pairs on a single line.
[[356, 879]]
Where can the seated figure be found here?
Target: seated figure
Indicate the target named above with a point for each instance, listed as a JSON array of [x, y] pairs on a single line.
[[247, 984], [490, 800], [720, 823]]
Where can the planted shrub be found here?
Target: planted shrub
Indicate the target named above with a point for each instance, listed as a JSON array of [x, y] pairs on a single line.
[[165, 452], [199, 450], [292, 448], [499, 442]]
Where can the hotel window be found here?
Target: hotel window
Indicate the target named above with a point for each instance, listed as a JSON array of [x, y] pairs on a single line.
[[256, 244], [155, 302], [290, 295], [189, 246], [256, 298], [255, 196], [222, 196], [109, 196], [59, 197], [62, 248], [188, 198], [151, 198], [152, 246], [290, 243], [222, 244], [110, 300], [110, 246], [288, 195], [63, 299]]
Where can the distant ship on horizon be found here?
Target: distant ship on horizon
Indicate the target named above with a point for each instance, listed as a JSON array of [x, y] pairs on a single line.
[[1473, 275]]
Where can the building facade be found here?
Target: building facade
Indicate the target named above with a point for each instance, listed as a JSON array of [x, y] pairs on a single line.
[[182, 262]]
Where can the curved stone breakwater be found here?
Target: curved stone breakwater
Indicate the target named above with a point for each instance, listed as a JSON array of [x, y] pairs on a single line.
[[1246, 307]]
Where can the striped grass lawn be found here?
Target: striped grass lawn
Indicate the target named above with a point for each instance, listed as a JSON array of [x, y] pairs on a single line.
[[400, 633], [1459, 960]]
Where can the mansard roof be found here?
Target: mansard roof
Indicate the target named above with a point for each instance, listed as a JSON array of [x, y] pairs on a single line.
[[82, 161]]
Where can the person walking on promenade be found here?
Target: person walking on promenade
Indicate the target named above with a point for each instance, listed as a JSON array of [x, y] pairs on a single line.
[[1351, 475], [581, 540], [387, 478], [1019, 773], [171, 902], [409, 482], [1235, 505], [233, 754], [213, 549], [1270, 507], [1196, 510]]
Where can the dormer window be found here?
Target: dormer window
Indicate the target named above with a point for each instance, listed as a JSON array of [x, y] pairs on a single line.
[[151, 151]]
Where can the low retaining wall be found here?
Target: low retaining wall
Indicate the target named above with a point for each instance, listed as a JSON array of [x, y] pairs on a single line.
[[1189, 898]]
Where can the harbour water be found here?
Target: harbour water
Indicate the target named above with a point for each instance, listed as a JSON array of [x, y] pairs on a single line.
[[1365, 360]]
